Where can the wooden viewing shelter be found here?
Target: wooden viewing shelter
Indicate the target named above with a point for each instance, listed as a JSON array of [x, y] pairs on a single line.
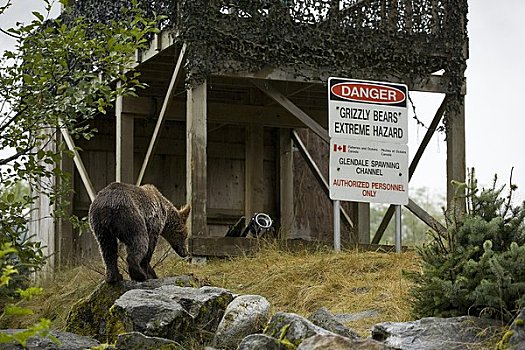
[[236, 111]]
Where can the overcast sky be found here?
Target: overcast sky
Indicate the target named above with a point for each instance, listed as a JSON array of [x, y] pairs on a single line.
[[495, 122]]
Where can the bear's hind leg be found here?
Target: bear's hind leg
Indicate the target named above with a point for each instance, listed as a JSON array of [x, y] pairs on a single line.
[[109, 250], [146, 262], [136, 253]]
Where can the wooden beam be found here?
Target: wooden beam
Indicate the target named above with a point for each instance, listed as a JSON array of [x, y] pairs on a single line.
[[415, 161], [79, 164], [267, 88], [196, 160], [125, 144], [318, 175], [254, 180], [272, 116], [425, 217], [431, 83], [286, 192], [160, 121]]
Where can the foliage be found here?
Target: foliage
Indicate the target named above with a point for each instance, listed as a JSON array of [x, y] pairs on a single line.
[[7, 272], [26, 256], [61, 73], [475, 268]]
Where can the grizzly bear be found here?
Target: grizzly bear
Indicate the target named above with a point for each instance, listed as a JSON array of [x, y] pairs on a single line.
[[135, 215]]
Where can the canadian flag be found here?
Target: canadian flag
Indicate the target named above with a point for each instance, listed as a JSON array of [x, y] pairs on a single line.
[[340, 148]]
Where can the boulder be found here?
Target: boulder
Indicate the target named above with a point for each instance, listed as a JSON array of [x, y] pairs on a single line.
[[292, 329], [245, 315], [206, 305], [263, 342], [325, 319], [89, 315], [514, 338], [139, 341], [151, 313], [66, 341], [434, 333], [336, 342], [170, 312]]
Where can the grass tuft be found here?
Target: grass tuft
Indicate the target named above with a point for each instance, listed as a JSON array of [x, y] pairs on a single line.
[[299, 282]]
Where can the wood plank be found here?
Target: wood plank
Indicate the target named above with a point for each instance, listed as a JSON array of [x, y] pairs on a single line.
[[238, 246], [286, 191], [79, 164], [124, 144], [268, 89], [162, 41], [160, 121], [196, 159], [253, 193], [319, 175]]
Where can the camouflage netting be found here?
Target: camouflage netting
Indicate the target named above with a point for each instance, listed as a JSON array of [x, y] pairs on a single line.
[[402, 38]]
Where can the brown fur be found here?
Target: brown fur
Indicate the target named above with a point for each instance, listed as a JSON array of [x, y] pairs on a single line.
[[135, 215]]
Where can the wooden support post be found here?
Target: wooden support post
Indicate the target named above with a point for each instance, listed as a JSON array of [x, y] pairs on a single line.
[[254, 181], [196, 160], [286, 183], [456, 168], [64, 228], [124, 147], [425, 217], [160, 121], [363, 223]]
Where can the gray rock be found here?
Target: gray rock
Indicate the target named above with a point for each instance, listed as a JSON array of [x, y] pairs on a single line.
[[325, 319], [516, 333], [149, 312], [336, 342], [139, 341], [245, 315], [345, 318], [261, 342], [67, 341], [206, 305], [292, 328], [433, 333], [89, 316]]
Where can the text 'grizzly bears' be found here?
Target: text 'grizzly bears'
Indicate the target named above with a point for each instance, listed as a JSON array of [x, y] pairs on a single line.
[[135, 215]]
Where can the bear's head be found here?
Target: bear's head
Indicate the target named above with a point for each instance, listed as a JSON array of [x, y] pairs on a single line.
[[176, 230]]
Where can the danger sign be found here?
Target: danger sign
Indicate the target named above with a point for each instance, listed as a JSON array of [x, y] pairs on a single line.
[[372, 111], [368, 123]]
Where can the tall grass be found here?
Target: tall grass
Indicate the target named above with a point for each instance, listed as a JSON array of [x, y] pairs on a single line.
[[299, 282]]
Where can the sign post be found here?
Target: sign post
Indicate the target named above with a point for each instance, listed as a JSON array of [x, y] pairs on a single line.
[[368, 129]]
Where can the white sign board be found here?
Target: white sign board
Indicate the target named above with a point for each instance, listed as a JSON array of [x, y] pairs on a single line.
[[368, 127], [364, 110], [363, 171]]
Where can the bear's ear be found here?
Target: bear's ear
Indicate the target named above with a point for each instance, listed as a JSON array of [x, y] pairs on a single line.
[[184, 212]]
